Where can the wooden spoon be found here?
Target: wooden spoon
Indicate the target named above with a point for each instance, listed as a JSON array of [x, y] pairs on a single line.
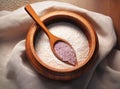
[[61, 48]]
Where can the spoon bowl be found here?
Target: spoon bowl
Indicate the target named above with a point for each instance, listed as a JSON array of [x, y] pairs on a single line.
[[60, 47]]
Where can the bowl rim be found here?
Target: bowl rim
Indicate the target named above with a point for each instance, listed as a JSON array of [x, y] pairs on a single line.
[[30, 37]]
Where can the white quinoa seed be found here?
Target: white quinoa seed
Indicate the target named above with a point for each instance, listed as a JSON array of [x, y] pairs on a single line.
[[70, 33]]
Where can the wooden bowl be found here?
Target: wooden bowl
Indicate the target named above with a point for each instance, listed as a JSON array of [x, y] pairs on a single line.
[[62, 74]]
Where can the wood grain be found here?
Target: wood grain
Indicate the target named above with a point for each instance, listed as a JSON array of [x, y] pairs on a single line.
[[79, 68]]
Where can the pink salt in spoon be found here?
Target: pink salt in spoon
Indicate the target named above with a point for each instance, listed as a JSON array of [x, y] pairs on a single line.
[[60, 47]]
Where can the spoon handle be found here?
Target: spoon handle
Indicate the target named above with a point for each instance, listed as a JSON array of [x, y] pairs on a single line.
[[36, 18]]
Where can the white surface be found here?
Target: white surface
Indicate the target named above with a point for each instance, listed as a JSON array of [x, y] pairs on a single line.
[[17, 73], [70, 33]]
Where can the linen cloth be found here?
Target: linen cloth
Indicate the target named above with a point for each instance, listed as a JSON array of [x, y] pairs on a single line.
[[17, 73]]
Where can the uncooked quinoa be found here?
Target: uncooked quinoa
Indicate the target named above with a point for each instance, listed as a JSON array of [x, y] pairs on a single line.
[[70, 33], [65, 52]]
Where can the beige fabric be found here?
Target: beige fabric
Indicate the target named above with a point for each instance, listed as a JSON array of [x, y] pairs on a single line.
[[17, 73]]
